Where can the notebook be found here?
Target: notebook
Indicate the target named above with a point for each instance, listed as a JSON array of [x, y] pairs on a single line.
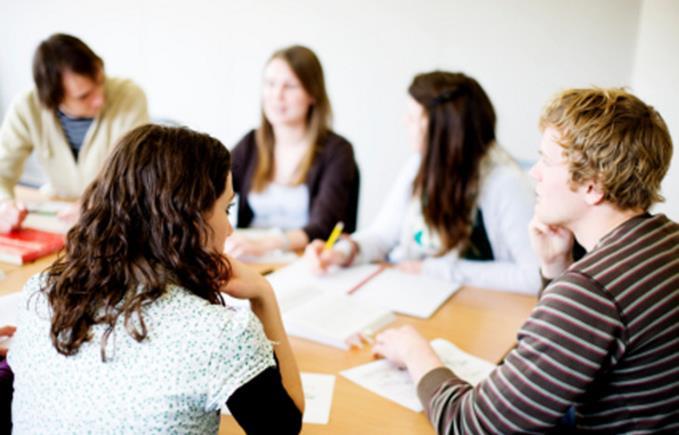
[[322, 315], [383, 378], [28, 244], [410, 294]]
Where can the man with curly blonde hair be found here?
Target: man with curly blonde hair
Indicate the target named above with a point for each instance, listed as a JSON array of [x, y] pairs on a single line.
[[600, 351]]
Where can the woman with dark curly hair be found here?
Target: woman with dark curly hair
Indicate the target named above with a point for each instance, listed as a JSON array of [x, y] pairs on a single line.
[[127, 331]]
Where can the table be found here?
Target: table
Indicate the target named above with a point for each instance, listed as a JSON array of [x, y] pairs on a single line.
[[481, 322]]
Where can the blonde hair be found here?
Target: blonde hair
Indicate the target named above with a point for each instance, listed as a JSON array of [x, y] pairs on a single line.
[[306, 66], [611, 137]]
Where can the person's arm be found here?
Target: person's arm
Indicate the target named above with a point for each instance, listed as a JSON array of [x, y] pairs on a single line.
[[15, 146], [245, 283], [561, 351], [331, 203], [377, 240], [263, 406]]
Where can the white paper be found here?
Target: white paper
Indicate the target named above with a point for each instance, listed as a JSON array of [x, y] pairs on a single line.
[[43, 216], [383, 378], [406, 293], [9, 307], [411, 294], [319, 309], [318, 390]]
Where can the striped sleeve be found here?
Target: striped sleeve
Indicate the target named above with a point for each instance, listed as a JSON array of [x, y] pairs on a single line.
[[573, 336]]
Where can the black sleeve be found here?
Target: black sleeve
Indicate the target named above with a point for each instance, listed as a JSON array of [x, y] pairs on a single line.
[[243, 161], [263, 406], [336, 196]]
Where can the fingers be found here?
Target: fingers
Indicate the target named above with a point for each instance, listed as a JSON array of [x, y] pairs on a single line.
[[11, 215], [7, 331]]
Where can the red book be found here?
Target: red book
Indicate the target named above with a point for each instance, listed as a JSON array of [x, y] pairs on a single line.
[[27, 244]]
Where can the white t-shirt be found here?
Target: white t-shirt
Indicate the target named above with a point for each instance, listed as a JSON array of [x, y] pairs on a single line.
[[194, 357], [280, 206]]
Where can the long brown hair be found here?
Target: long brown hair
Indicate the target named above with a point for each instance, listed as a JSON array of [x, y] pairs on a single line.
[[306, 66], [461, 129], [142, 227]]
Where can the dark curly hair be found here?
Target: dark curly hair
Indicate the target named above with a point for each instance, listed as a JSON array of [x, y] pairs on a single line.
[[461, 130], [142, 227]]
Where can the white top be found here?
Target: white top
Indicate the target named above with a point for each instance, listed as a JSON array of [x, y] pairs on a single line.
[[280, 206], [175, 381], [506, 200]]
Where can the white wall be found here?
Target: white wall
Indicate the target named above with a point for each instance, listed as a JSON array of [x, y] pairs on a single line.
[[656, 72], [200, 61]]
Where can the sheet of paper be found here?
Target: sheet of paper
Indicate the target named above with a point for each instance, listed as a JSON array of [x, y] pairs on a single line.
[[41, 222], [318, 390], [9, 307], [338, 280], [390, 382], [406, 293], [319, 309], [334, 319]]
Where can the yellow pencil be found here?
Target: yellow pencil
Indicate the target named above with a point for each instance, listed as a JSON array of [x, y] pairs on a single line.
[[334, 236]]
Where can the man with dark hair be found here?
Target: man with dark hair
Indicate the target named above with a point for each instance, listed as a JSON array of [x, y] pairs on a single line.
[[72, 119], [600, 351]]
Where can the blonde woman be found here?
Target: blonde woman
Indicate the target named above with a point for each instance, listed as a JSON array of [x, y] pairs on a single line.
[[293, 173]]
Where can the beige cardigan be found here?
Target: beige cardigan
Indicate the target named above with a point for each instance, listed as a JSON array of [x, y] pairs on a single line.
[[29, 125]]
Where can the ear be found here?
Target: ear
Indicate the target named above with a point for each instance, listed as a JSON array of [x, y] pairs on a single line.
[[594, 194]]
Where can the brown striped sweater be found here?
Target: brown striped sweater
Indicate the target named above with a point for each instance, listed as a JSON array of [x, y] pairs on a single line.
[[603, 339]]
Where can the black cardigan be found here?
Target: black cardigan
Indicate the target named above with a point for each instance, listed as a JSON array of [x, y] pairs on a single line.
[[333, 182]]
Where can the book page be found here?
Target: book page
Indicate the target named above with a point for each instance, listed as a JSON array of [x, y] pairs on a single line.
[[383, 378], [336, 280], [406, 293], [318, 308], [333, 319]]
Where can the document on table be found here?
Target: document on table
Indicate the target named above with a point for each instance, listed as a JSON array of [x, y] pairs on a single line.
[[323, 313], [43, 216], [383, 378], [411, 294], [9, 307], [318, 390]]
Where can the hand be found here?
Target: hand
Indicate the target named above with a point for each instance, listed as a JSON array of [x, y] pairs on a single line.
[[70, 215], [246, 283], [6, 331], [553, 245], [11, 215], [241, 246], [406, 348], [409, 266], [321, 259]]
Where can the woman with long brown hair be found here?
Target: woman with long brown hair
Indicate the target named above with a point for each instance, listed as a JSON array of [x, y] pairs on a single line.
[[127, 331], [460, 208], [293, 173]]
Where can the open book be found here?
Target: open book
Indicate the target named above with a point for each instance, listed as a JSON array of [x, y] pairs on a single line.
[[28, 244], [383, 378], [404, 293], [322, 314]]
